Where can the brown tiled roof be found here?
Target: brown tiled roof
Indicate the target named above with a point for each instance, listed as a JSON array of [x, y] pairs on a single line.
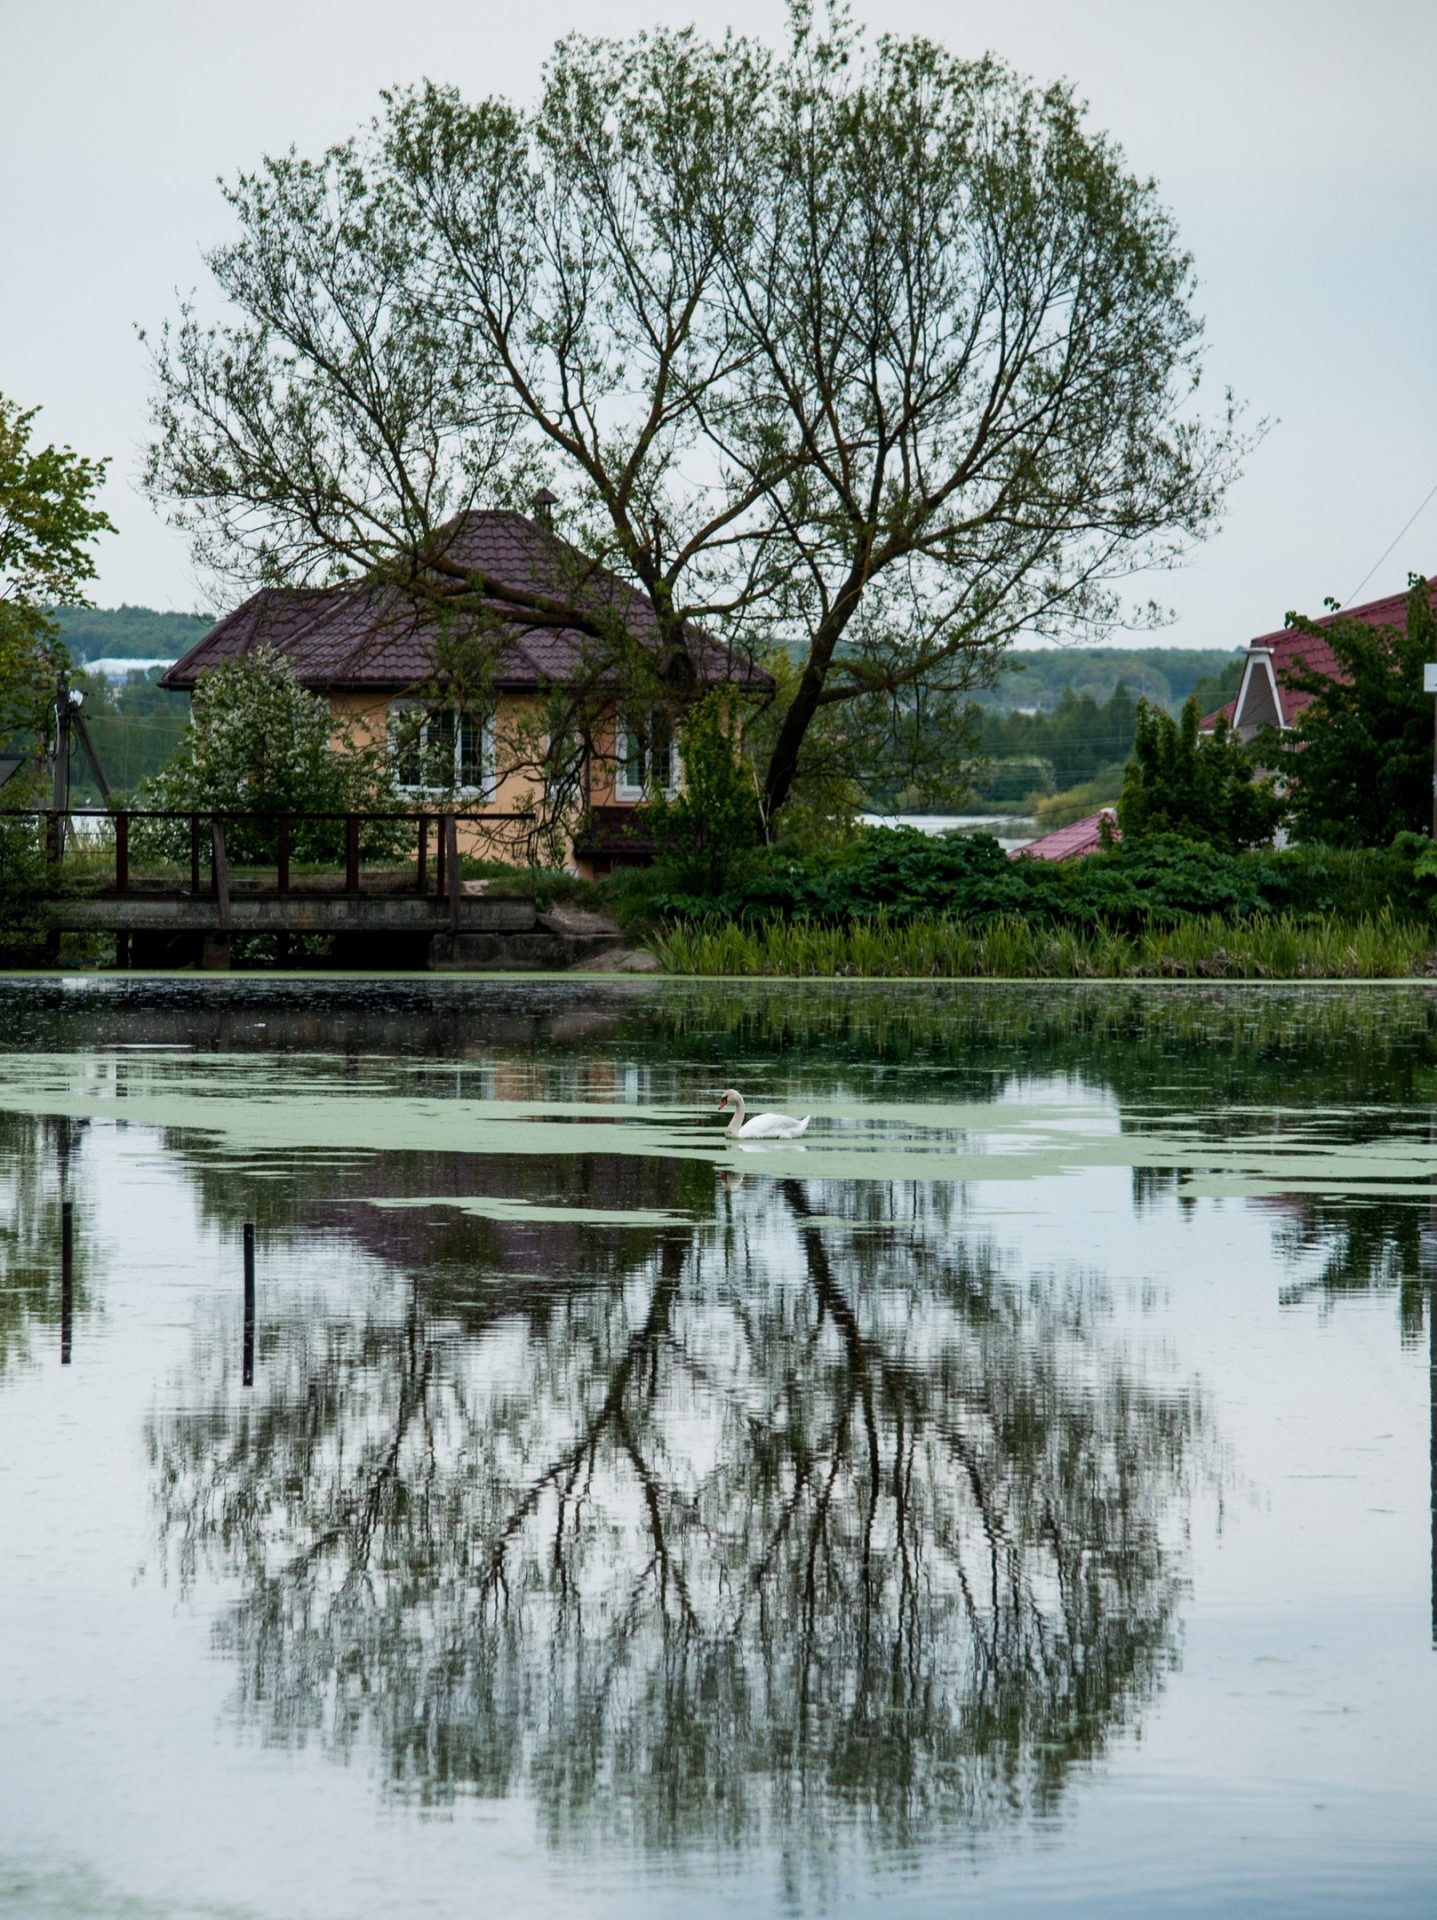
[[374, 637]]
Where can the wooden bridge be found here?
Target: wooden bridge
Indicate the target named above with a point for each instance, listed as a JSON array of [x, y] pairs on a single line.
[[176, 889]]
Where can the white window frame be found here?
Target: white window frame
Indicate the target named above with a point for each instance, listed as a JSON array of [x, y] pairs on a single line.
[[399, 709], [624, 788]]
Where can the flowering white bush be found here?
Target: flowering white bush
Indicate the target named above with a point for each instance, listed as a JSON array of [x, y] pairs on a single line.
[[259, 742]]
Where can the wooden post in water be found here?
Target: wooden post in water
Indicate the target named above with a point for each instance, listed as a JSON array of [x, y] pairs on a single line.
[[248, 1353], [67, 1280]]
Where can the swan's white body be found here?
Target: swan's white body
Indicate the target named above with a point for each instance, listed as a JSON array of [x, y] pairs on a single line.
[[762, 1126]]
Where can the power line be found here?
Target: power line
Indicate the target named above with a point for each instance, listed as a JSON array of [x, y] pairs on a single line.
[[1385, 551]]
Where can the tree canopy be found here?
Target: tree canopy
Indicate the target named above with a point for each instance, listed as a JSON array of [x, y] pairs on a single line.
[[1358, 762], [868, 351], [48, 523]]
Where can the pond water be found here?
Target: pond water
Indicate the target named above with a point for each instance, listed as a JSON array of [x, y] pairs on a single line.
[[1015, 1496]]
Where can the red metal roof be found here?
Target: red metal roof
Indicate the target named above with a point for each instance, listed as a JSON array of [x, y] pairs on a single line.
[[365, 636], [1210, 720], [1289, 646], [1070, 843]]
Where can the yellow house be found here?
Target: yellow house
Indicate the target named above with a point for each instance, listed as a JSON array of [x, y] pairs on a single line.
[[552, 621]]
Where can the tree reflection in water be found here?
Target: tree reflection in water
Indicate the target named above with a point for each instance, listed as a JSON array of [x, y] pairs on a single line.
[[801, 1522]]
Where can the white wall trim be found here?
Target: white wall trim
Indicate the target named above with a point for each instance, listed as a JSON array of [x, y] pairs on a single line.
[[1258, 659]]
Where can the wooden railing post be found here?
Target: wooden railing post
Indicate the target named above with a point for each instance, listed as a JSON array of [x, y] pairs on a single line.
[[282, 856], [351, 853], [195, 854], [219, 871], [423, 877], [122, 853], [441, 855], [451, 841]]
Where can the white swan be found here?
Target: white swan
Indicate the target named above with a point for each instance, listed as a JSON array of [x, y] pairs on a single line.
[[763, 1126]]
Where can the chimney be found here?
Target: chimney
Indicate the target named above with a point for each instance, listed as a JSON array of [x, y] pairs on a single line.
[[544, 505]]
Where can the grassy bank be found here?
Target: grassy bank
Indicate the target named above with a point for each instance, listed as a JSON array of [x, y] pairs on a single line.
[[1268, 947]]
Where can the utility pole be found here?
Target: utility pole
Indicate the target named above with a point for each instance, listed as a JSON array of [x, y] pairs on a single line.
[[1429, 685], [60, 782]]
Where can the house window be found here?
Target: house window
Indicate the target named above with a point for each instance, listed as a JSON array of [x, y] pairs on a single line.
[[647, 756], [441, 750]]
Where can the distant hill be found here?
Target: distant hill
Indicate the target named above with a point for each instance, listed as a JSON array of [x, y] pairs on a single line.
[[129, 633]]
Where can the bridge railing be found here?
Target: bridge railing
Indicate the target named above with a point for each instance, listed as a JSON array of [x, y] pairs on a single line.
[[167, 840]]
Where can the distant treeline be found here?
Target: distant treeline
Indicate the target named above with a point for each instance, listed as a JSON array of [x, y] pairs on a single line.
[[1080, 739], [1063, 758], [129, 633], [1163, 675]]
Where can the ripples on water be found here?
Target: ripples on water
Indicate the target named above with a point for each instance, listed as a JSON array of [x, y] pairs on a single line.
[[1015, 1494]]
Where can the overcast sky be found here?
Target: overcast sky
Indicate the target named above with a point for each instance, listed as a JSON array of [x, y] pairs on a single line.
[[1295, 141]]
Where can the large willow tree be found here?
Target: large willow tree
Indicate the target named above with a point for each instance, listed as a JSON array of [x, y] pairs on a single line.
[[875, 353]]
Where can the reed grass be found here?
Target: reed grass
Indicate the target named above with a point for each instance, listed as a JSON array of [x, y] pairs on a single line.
[[1273, 947]]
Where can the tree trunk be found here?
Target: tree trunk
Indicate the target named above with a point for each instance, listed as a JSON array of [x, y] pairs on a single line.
[[783, 761]]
